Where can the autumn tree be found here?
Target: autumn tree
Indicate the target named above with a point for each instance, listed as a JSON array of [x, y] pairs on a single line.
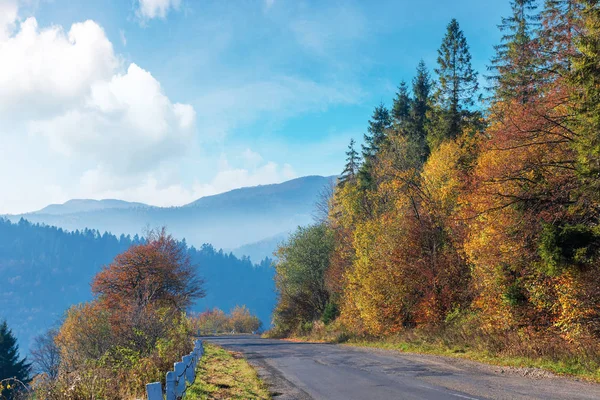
[[158, 272]]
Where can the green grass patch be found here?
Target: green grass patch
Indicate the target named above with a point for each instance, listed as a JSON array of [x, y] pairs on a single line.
[[224, 375]]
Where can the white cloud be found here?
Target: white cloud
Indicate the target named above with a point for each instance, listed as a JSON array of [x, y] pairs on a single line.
[[229, 177], [8, 16], [47, 70], [149, 9], [269, 3], [73, 118]]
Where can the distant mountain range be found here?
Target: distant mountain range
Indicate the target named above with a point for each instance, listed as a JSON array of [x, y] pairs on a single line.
[[239, 219], [81, 206]]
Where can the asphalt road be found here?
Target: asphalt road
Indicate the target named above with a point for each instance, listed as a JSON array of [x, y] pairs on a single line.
[[325, 371]]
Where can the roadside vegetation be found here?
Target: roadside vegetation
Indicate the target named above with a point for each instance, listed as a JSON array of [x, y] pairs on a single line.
[[216, 322], [469, 227], [224, 375], [130, 334]]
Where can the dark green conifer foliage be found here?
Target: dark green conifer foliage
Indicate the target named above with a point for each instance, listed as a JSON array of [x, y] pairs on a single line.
[[516, 64], [420, 105], [10, 364], [375, 139], [352, 164], [560, 22], [457, 86], [401, 107]]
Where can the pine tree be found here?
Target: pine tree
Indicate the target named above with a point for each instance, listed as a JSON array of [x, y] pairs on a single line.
[[10, 365], [375, 139], [516, 64], [352, 164], [586, 76], [457, 85], [401, 107], [560, 23], [421, 86]]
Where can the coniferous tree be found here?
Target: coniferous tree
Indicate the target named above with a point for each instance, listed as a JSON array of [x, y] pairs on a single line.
[[516, 64], [375, 139], [401, 107], [419, 109], [10, 364], [560, 22], [457, 85], [352, 164]]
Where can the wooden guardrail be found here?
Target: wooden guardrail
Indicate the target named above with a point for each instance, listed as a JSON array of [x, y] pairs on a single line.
[[178, 380]]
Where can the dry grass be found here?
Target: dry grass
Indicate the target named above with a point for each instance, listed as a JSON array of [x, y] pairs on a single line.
[[226, 375]]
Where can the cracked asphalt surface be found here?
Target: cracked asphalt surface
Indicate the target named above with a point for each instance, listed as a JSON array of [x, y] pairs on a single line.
[[326, 371]]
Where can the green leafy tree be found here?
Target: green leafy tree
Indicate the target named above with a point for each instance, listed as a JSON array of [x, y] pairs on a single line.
[[457, 85], [586, 76], [300, 276], [11, 365]]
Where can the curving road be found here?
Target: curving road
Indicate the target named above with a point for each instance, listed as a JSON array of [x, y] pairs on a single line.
[[325, 371]]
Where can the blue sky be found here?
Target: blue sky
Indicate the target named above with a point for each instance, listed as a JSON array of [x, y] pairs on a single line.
[[164, 101]]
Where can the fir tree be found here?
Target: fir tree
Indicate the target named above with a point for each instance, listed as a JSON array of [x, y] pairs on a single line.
[[10, 365], [421, 86], [375, 139], [560, 23], [401, 107], [457, 85], [516, 64], [352, 164]]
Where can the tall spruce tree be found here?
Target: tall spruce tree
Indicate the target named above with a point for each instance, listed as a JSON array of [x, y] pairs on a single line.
[[516, 65], [401, 107], [10, 364], [586, 76], [421, 87], [560, 22], [375, 139], [352, 165], [457, 85]]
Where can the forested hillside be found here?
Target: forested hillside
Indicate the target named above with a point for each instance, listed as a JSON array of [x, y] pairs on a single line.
[[44, 270], [474, 220]]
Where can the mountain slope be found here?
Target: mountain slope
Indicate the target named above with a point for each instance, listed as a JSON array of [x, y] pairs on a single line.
[[86, 205], [227, 220]]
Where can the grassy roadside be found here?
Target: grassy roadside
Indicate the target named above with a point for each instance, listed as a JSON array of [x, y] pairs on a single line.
[[583, 366], [225, 375]]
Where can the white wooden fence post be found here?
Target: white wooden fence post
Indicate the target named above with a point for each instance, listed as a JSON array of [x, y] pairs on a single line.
[[179, 379], [187, 361], [170, 385], [154, 391]]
